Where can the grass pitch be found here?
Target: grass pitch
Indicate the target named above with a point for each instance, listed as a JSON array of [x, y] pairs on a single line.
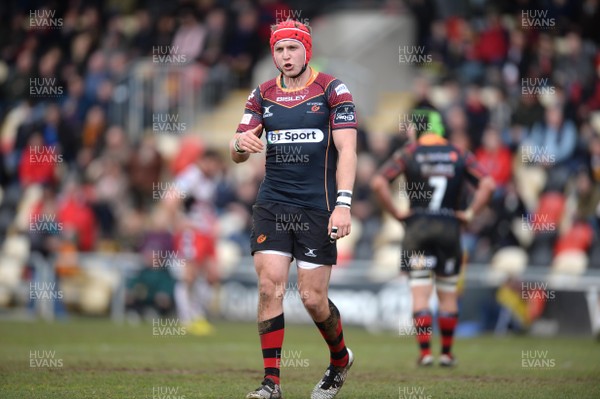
[[97, 359]]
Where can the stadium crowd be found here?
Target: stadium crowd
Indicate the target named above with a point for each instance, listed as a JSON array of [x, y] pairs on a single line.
[[520, 90]]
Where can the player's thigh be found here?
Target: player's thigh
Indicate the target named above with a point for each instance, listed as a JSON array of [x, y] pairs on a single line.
[[272, 268], [449, 248], [418, 246], [415, 260], [421, 287], [449, 256], [268, 231], [448, 299], [314, 281], [448, 273]]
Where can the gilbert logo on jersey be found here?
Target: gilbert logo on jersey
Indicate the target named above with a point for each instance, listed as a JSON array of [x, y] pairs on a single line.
[[267, 113]]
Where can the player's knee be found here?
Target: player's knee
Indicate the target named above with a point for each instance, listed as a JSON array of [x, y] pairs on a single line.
[[314, 301], [268, 296], [448, 301], [269, 290], [420, 304]]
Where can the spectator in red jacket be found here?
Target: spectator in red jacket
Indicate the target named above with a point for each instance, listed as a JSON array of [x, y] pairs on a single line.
[[38, 162], [495, 157], [492, 44], [77, 217]]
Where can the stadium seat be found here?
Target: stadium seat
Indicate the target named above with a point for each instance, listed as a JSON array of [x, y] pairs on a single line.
[[570, 262], [549, 211], [579, 236], [10, 272], [16, 246], [13, 257], [230, 223], [95, 299], [391, 231], [595, 120], [525, 237], [386, 262], [228, 256], [530, 182], [510, 261], [31, 196], [168, 146], [347, 246]]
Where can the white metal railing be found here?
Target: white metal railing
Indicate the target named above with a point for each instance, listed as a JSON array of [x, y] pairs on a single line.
[[123, 265], [151, 89]]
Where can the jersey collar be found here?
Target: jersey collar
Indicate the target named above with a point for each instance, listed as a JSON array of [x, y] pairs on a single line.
[[431, 139], [313, 76]]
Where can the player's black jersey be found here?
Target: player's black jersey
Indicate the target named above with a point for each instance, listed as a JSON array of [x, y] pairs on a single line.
[[435, 173], [301, 158]]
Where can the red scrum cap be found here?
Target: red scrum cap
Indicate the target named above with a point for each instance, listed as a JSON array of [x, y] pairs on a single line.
[[292, 30]]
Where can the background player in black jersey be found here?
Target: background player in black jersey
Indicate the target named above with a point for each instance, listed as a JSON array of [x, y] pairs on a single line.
[[435, 173], [304, 200]]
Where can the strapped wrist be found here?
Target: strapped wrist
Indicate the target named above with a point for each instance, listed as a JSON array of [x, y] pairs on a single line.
[[344, 198], [236, 147]]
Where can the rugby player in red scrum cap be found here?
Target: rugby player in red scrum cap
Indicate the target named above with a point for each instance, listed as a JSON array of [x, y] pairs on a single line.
[[303, 204]]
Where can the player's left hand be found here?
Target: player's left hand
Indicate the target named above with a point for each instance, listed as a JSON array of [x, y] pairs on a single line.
[[401, 216], [342, 219]]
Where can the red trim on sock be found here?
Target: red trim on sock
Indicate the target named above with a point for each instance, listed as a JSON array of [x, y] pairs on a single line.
[[271, 362], [273, 339]]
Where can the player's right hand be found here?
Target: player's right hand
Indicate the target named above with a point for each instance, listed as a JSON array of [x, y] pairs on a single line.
[[465, 217], [250, 141]]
